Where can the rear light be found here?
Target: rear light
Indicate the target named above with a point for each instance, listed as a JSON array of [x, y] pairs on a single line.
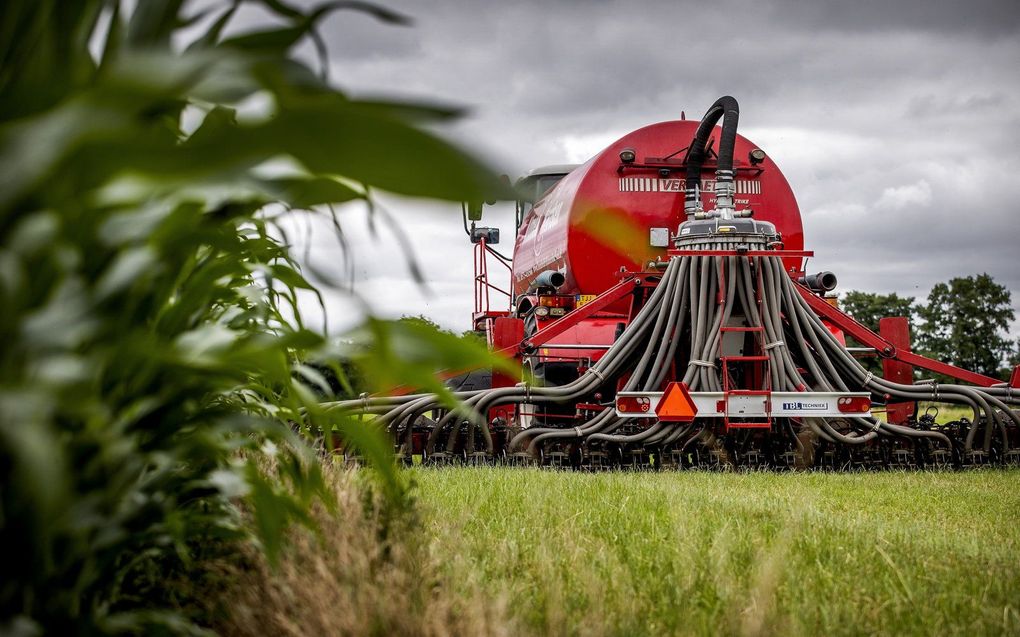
[[556, 300], [633, 404], [541, 310], [854, 404]]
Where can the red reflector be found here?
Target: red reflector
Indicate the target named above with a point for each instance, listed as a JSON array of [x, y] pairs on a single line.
[[633, 404], [676, 404], [854, 404]]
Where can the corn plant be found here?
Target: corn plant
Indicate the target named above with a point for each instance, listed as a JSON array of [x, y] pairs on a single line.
[[152, 352]]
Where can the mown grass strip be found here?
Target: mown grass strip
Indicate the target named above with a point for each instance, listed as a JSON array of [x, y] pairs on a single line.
[[708, 553]]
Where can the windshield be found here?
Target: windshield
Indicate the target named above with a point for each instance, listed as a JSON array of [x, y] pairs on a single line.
[[544, 183]]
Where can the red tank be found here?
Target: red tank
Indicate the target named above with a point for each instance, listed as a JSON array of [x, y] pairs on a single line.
[[598, 219]]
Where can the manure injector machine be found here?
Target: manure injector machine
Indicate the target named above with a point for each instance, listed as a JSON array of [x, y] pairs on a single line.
[[663, 316]]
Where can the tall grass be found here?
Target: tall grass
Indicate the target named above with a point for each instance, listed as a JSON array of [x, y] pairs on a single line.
[[363, 574]]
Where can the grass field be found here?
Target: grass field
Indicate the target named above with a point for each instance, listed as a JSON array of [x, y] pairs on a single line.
[[711, 553]]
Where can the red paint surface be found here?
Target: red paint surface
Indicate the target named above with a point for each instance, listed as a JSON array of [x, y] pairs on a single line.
[[588, 228], [896, 330]]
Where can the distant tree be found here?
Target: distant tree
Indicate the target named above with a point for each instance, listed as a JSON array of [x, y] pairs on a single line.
[[868, 308], [964, 322], [421, 319]]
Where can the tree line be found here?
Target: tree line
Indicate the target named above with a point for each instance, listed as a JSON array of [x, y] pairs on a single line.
[[964, 321]]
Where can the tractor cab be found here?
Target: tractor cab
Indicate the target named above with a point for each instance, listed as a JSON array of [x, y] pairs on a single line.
[[530, 188], [536, 183]]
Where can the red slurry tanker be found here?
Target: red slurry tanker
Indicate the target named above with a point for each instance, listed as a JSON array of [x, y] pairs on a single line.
[[660, 308]]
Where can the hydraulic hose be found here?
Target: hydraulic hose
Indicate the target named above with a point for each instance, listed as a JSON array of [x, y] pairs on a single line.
[[726, 108]]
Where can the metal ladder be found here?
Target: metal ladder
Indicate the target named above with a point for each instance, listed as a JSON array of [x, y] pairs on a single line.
[[757, 367]]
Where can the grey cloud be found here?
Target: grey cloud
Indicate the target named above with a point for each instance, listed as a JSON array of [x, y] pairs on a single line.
[[984, 17], [897, 123]]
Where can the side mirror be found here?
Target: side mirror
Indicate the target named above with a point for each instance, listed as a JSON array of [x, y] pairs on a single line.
[[490, 235]]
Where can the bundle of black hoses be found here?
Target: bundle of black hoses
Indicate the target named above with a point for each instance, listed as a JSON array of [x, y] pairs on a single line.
[[680, 324]]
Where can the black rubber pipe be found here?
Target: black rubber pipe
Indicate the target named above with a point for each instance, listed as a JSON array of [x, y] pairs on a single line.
[[726, 108]]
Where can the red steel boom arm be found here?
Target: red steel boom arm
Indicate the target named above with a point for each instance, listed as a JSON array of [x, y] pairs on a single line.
[[884, 347], [607, 298]]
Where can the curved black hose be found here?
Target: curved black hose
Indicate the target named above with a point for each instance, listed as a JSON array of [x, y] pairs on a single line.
[[725, 107]]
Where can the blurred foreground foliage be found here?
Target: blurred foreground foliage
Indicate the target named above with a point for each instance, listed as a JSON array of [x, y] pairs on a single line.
[[154, 362]]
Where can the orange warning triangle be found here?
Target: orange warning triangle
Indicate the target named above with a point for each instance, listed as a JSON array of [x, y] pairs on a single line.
[[676, 404]]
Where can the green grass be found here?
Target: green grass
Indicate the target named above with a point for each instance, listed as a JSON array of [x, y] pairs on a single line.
[[947, 412], [757, 553]]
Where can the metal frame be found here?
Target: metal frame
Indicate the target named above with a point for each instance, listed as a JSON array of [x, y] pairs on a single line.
[[886, 349], [777, 404], [741, 253], [757, 363], [574, 317], [483, 308]]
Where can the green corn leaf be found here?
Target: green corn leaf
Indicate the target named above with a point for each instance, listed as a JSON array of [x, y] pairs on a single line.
[[152, 22], [276, 41], [414, 356], [375, 447], [212, 34], [379, 12], [306, 192]]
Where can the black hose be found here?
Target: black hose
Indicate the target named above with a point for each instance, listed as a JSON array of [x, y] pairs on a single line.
[[727, 108]]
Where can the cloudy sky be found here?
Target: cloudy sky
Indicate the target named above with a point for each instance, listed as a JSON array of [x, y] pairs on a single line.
[[896, 123]]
